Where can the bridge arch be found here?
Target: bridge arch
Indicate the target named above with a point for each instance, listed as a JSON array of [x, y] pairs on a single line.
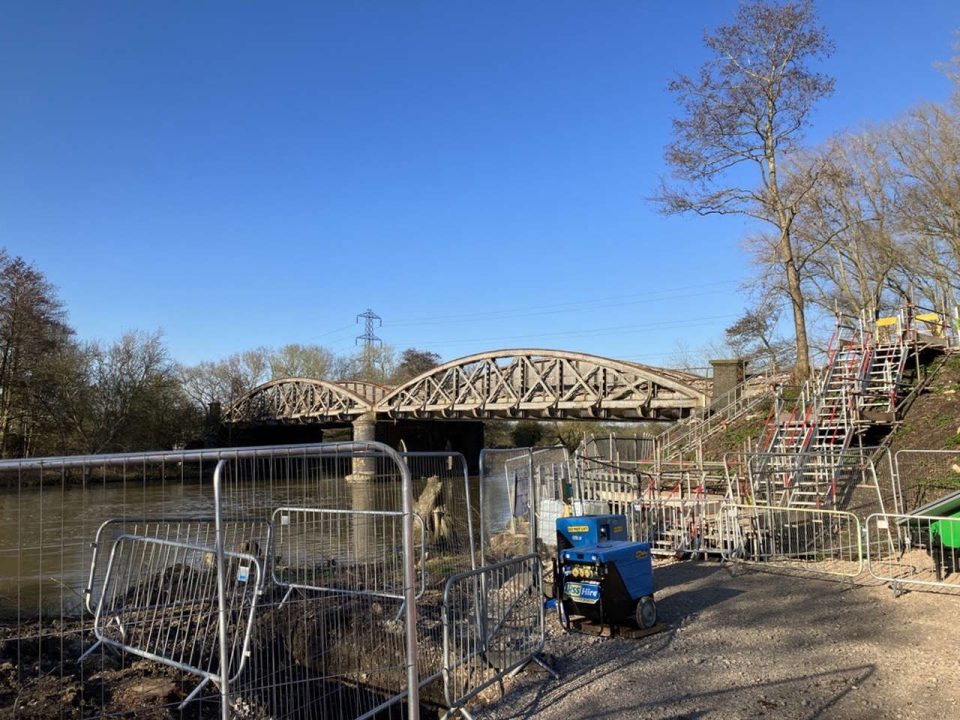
[[298, 400], [544, 383]]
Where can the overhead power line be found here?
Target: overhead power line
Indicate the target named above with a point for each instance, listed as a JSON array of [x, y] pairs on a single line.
[[610, 330], [572, 306]]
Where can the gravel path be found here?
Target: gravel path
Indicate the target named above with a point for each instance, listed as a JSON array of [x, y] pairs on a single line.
[[756, 644]]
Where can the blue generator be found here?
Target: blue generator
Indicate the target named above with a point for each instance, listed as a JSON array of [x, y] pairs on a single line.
[[590, 530], [601, 576]]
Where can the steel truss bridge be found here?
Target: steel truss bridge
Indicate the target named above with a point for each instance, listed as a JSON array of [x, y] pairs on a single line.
[[523, 383]]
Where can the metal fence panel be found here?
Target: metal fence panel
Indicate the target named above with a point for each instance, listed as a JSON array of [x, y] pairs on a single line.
[[619, 449], [815, 540], [349, 552], [451, 518], [355, 650], [925, 475], [675, 512], [507, 529], [493, 623], [240, 536], [159, 601], [551, 478], [324, 652], [450, 508], [916, 551]]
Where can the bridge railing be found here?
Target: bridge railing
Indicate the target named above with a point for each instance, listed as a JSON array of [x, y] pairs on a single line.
[[684, 437]]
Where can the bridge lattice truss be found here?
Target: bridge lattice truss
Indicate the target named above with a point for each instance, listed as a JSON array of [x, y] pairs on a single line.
[[298, 400], [505, 383]]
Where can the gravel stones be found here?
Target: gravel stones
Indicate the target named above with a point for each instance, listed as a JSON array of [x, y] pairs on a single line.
[[756, 644]]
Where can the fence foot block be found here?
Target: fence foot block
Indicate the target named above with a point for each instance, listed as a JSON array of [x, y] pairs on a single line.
[[546, 666]]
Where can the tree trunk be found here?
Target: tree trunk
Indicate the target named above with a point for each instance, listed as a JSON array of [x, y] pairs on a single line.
[[802, 370], [785, 216]]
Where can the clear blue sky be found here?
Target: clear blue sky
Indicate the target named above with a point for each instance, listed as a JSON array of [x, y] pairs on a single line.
[[476, 172]]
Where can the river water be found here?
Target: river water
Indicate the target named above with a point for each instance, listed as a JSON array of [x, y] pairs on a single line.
[[46, 533]]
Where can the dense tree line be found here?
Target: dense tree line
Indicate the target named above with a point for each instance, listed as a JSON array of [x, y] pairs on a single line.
[[60, 395], [63, 395]]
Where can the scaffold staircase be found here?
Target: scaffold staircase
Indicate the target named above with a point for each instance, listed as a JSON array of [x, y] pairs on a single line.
[[861, 382], [883, 385], [682, 439]]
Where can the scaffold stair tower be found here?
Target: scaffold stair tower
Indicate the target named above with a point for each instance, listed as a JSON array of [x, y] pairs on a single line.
[[861, 383]]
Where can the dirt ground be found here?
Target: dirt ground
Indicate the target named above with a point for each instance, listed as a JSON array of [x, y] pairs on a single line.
[[746, 644]]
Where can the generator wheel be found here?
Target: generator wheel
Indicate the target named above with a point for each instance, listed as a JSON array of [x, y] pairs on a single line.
[[646, 612]]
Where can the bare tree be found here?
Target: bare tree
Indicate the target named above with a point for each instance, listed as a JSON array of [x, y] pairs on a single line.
[[295, 360], [926, 145], [374, 364], [754, 336], [32, 329], [748, 105], [221, 381], [132, 398], [846, 235]]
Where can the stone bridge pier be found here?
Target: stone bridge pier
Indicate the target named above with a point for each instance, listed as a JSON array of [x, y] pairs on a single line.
[[364, 430]]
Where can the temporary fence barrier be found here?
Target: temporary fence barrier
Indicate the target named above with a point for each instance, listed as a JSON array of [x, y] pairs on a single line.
[[450, 510], [925, 475], [880, 475], [281, 582], [184, 570], [508, 504], [815, 540], [673, 511], [551, 475], [603, 484], [352, 636], [314, 542], [523, 488], [449, 506], [679, 514], [736, 466], [857, 479], [172, 615], [622, 450], [493, 624], [239, 536], [915, 551]]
